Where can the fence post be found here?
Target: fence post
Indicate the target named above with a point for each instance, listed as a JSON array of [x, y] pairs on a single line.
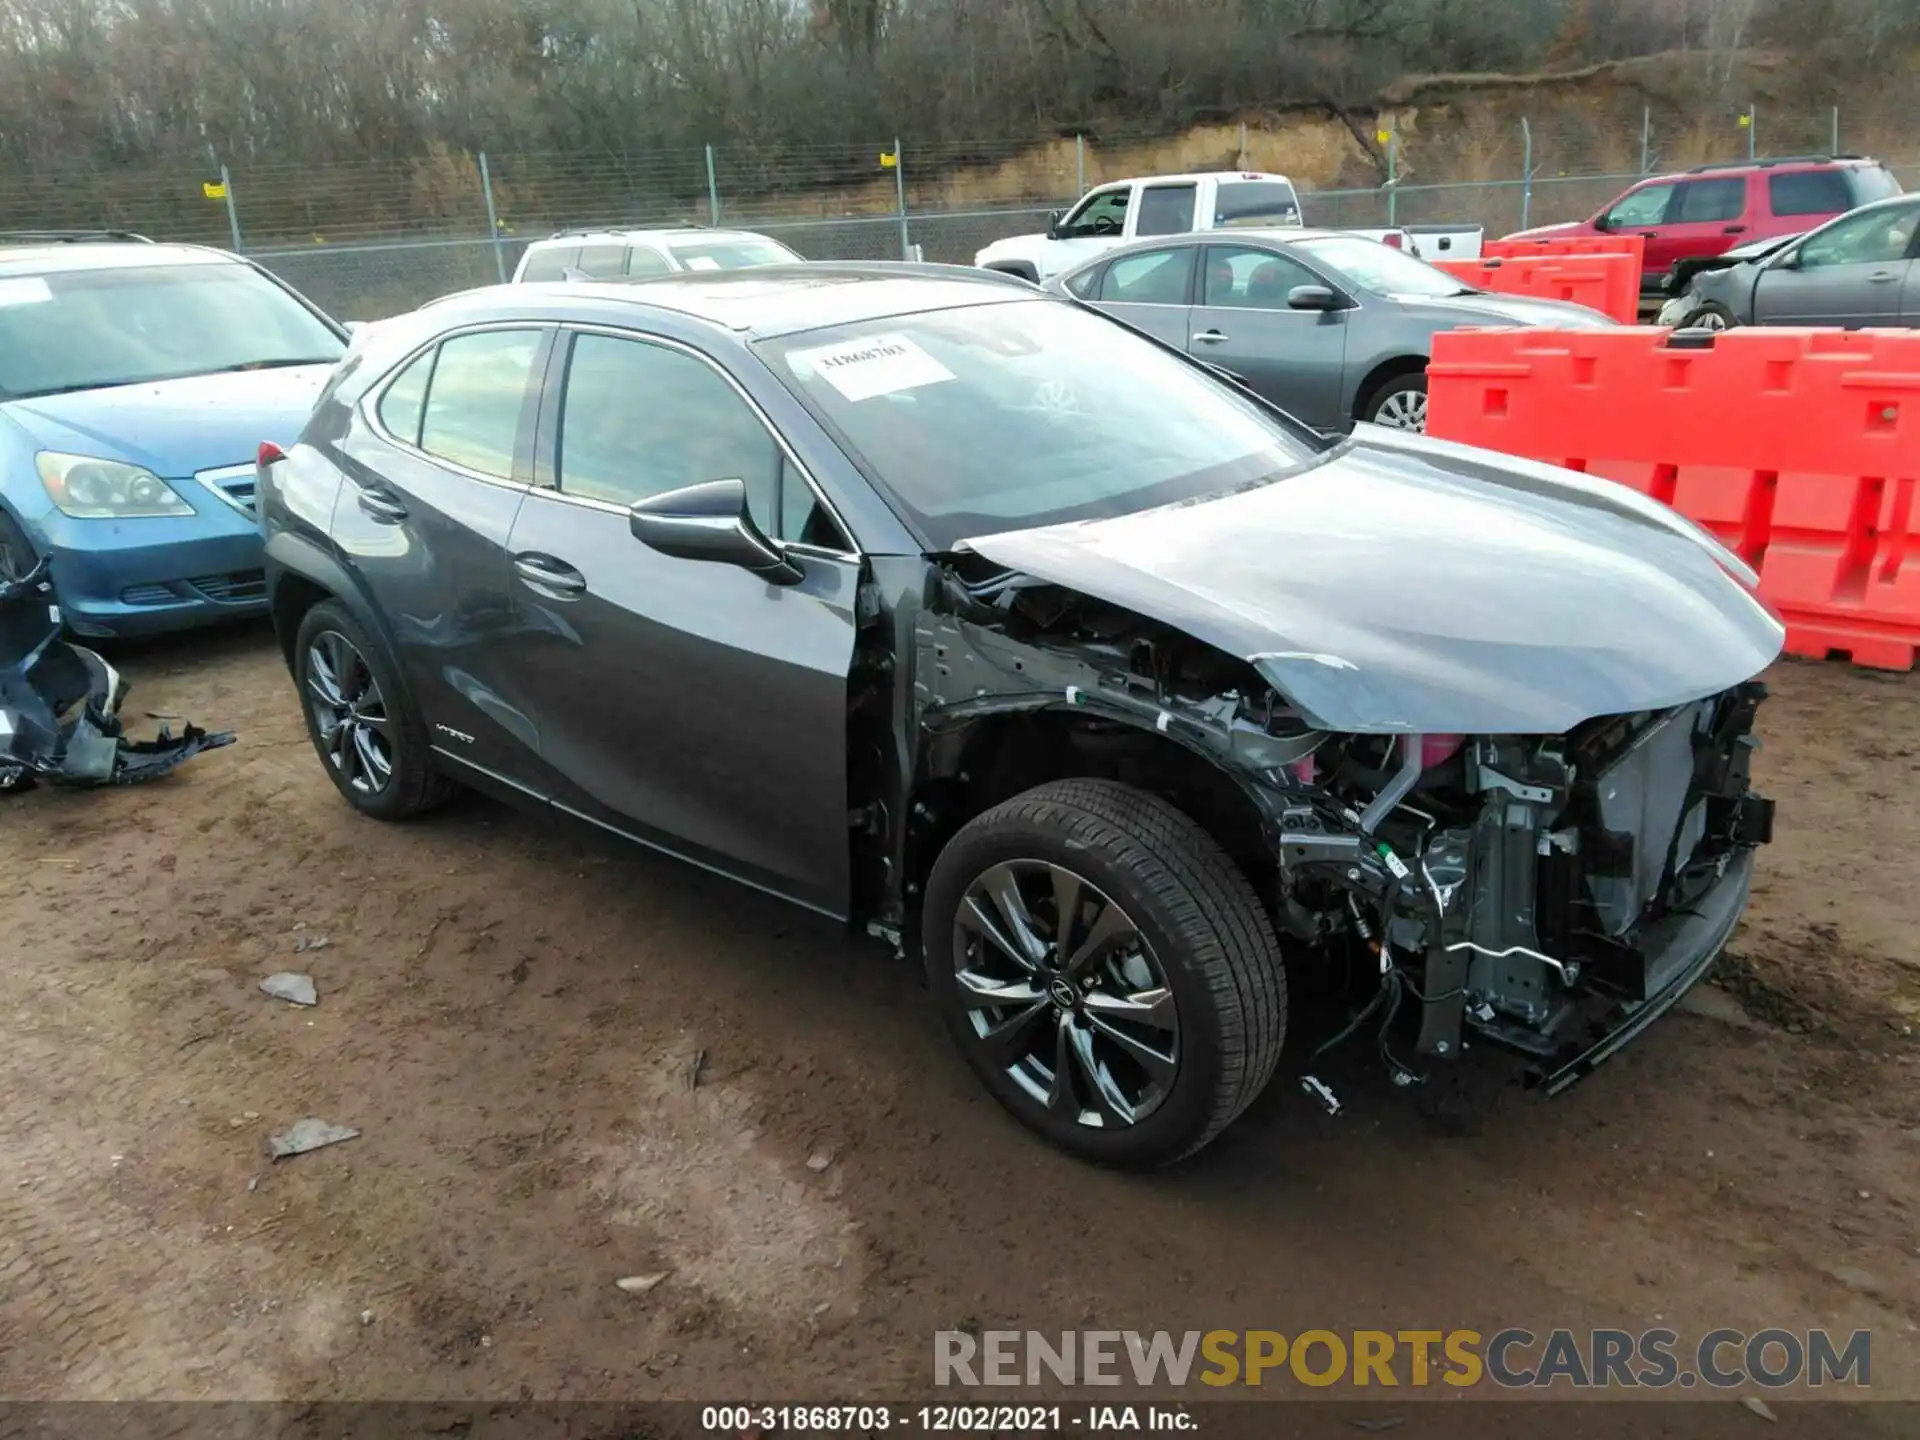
[[1646, 136], [1242, 158], [233, 215], [713, 190], [1526, 172], [493, 220], [1393, 177], [1079, 166], [900, 189], [1835, 148], [1753, 131]]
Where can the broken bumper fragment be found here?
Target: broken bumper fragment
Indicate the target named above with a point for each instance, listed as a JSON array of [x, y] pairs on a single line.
[[60, 705]]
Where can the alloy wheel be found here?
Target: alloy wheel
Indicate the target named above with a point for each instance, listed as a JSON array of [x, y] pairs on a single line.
[[1403, 410], [349, 713], [1064, 994]]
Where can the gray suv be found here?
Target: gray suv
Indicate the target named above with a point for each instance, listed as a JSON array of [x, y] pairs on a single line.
[[934, 604]]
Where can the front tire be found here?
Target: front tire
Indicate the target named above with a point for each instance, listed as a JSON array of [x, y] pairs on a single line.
[[1710, 316], [374, 749], [1135, 1031], [1400, 404]]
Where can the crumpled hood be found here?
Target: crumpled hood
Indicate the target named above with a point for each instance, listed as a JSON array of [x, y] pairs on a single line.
[[176, 427], [1403, 584], [1486, 308]]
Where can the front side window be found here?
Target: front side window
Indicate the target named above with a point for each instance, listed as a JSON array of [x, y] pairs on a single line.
[[1158, 277], [1369, 265], [1252, 279], [1704, 202], [1102, 213], [130, 325], [1165, 210], [639, 419], [1643, 207], [479, 387], [1877, 237], [1086, 419], [602, 262]]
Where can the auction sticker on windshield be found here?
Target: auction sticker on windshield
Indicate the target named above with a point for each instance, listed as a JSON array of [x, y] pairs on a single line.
[[862, 369], [30, 290]]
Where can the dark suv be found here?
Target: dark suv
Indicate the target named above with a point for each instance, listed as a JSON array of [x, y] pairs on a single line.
[[932, 602], [1713, 208]]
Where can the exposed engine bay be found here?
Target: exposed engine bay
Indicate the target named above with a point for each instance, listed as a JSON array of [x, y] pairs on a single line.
[[60, 704], [1549, 894]]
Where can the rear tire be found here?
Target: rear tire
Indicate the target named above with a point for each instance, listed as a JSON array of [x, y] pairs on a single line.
[[360, 719], [1400, 404], [1173, 1022]]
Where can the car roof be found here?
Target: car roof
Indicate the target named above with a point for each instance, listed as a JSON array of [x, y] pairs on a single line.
[[1195, 175], [1232, 235], [658, 236], [764, 301], [29, 257], [1786, 164]]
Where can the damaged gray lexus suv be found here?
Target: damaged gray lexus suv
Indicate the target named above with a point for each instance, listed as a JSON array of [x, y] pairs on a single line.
[[966, 615]]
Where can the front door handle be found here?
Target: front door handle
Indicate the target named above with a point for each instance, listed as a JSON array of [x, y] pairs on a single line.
[[1209, 337], [1734, 230], [543, 572], [1883, 277], [382, 505]]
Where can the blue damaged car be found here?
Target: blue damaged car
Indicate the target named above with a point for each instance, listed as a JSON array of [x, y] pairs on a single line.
[[137, 384]]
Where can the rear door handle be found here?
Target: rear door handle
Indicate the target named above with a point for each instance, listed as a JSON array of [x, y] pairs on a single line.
[[543, 572], [382, 505], [1209, 337]]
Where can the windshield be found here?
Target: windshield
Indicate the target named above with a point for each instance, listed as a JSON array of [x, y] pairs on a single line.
[[1006, 416], [87, 329], [736, 254], [1381, 268]]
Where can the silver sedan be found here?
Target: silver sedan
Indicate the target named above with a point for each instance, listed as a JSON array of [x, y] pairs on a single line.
[[1329, 326]]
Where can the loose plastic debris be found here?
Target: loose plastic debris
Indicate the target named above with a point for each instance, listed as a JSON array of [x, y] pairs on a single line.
[[308, 1135]]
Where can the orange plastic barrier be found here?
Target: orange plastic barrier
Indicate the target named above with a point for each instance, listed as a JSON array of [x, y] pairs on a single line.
[[1608, 283], [1800, 449], [1634, 245]]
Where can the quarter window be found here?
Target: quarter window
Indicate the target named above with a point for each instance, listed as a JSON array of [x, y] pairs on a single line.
[[1809, 192], [406, 399], [473, 406]]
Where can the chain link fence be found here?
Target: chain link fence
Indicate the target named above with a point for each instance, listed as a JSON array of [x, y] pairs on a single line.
[[372, 238]]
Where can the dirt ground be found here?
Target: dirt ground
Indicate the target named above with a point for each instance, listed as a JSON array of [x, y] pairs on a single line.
[[511, 1017]]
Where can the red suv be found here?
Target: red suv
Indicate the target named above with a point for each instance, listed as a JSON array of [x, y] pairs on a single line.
[[1712, 208]]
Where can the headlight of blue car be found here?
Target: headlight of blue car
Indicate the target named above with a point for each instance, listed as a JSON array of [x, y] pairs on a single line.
[[87, 488]]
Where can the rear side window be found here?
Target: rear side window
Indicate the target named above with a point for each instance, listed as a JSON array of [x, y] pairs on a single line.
[[549, 262], [1165, 210], [602, 262], [1871, 182], [1159, 277], [406, 400], [1704, 201], [1809, 192], [473, 405], [1255, 202]]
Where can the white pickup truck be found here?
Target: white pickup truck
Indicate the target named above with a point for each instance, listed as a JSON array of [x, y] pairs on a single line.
[[1124, 210]]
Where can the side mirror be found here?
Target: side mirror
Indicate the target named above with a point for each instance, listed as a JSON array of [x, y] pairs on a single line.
[[711, 522], [1603, 223], [1312, 297], [1053, 224]]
